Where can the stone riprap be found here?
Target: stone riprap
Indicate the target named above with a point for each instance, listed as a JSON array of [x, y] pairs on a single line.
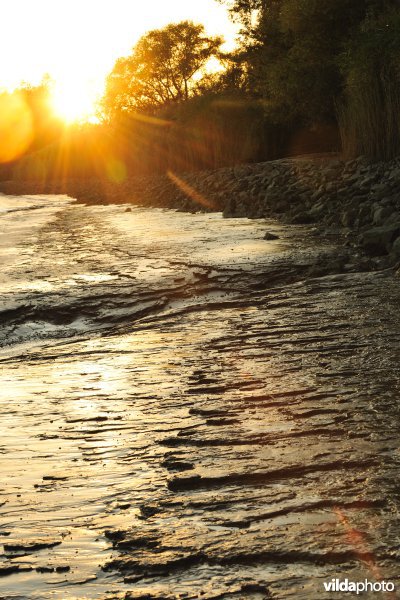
[[352, 195], [356, 196]]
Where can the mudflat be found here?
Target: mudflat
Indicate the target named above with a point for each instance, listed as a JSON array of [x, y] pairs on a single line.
[[190, 410]]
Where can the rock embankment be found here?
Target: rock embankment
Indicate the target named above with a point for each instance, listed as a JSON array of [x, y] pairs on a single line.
[[354, 195]]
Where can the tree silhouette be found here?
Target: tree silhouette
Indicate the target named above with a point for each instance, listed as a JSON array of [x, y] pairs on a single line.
[[165, 66]]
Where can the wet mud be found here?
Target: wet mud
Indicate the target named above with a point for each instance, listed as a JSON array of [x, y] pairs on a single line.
[[189, 411]]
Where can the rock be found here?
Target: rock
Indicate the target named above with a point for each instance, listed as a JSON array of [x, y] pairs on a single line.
[[230, 208], [302, 218], [378, 240], [383, 262], [381, 214], [318, 210], [379, 190], [270, 236], [368, 181], [317, 195], [394, 217], [364, 214], [396, 247], [63, 569], [395, 174], [349, 217], [281, 206], [331, 187]]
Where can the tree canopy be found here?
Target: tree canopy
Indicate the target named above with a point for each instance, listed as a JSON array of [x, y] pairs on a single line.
[[166, 66], [308, 75], [294, 51]]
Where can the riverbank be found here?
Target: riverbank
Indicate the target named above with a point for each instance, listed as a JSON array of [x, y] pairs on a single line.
[[354, 197]]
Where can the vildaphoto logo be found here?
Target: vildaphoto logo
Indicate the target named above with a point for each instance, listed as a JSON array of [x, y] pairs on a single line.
[[358, 587]]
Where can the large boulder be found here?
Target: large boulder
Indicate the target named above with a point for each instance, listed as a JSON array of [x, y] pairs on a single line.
[[317, 210], [270, 236], [378, 240], [396, 248], [381, 213], [348, 217], [302, 218]]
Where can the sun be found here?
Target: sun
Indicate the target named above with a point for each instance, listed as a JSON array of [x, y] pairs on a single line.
[[73, 103]]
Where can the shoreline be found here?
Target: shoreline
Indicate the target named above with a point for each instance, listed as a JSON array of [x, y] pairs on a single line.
[[355, 198]]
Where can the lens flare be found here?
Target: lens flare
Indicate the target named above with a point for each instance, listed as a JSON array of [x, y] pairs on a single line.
[[193, 194], [16, 126]]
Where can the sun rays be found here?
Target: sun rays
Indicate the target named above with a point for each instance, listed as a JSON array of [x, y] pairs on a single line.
[[77, 43], [74, 103]]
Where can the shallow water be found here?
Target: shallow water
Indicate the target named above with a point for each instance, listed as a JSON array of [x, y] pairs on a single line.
[[186, 414]]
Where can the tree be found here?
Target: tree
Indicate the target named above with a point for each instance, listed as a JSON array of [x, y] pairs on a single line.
[[47, 127], [166, 66], [370, 105], [292, 49], [327, 62]]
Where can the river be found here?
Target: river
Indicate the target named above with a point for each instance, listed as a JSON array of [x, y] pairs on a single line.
[[188, 410]]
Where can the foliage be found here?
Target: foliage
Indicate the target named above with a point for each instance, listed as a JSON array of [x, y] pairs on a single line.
[[27, 123], [301, 64], [304, 68], [292, 50], [370, 108], [47, 127], [166, 66]]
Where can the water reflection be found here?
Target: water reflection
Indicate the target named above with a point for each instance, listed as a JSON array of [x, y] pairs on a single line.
[[172, 385]]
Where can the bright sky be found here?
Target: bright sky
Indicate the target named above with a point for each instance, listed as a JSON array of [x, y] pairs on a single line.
[[78, 41]]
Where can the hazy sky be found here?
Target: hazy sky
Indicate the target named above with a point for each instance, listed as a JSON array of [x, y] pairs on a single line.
[[77, 41]]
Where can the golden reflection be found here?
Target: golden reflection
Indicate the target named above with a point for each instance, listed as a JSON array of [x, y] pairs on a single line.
[[16, 126]]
